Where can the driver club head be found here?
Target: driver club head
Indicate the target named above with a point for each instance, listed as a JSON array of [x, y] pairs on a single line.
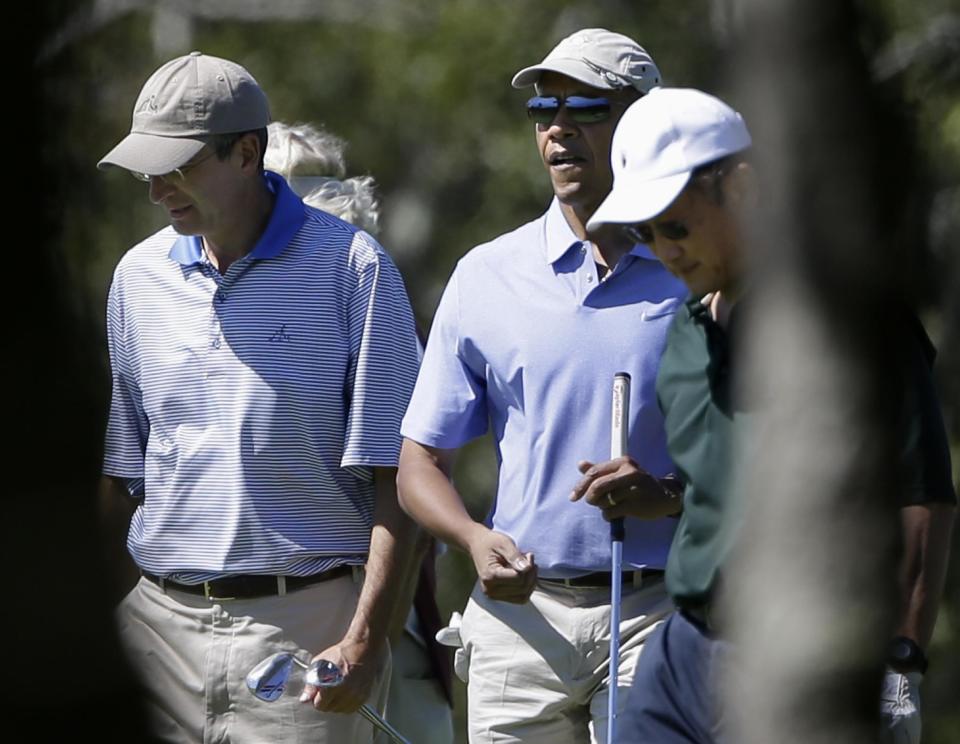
[[268, 679]]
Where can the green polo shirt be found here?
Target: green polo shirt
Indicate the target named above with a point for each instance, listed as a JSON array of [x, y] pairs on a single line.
[[694, 391], [705, 423]]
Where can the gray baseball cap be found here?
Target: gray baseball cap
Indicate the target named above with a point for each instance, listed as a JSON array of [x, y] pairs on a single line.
[[600, 58], [181, 105]]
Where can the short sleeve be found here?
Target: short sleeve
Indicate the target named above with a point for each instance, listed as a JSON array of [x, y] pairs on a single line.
[[127, 425], [384, 357], [925, 465], [449, 404]]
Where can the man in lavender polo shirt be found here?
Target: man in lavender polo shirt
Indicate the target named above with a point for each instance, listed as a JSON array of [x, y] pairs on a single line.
[[529, 333]]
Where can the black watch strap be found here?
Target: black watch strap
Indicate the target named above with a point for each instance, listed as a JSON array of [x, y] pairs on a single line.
[[905, 655]]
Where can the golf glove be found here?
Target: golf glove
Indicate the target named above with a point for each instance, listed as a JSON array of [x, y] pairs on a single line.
[[900, 708], [450, 635]]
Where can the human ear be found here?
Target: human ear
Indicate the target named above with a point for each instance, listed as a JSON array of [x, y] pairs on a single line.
[[248, 148]]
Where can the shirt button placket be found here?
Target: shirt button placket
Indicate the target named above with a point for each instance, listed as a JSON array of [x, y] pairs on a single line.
[[219, 298]]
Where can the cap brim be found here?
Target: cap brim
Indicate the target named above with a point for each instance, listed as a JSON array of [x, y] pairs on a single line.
[[151, 154], [632, 200], [572, 68]]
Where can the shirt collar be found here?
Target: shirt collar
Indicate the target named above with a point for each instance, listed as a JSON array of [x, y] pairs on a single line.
[[286, 219], [560, 238]]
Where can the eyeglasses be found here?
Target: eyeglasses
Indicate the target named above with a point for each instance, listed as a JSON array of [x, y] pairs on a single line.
[[640, 233], [177, 173], [582, 110], [643, 232]]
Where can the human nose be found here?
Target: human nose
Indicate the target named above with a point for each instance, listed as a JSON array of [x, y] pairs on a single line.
[[561, 125], [667, 251], [160, 188]]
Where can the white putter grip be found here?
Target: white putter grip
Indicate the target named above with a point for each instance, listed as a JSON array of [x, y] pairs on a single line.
[[618, 447], [618, 433]]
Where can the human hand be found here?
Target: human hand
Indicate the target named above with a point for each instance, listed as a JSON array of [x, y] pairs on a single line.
[[359, 665], [504, 572], [900, 707], [621, 488]]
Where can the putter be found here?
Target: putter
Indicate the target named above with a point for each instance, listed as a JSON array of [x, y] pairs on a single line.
[[268, 679], [618, 447]]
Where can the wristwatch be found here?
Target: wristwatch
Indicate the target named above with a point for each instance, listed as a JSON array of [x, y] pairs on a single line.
[[904, 655]]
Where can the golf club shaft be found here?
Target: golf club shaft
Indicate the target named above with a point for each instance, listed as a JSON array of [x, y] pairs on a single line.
[[371, 715], [619, 419]]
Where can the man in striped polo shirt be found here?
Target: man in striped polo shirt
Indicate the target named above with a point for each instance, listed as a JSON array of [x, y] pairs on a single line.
[[262, 356]]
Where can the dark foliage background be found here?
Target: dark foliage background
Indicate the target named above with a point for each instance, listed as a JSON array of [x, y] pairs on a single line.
[[420, 90]]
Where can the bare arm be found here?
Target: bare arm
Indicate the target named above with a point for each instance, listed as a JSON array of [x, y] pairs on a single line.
[[428, 495], [926, 548], [405, 595], [116, 508], [360, 652]]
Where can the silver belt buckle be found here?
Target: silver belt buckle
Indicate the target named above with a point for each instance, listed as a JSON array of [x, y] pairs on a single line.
[[208, 594]]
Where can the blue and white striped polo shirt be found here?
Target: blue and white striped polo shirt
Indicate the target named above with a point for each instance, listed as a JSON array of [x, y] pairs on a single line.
[[248, 408]]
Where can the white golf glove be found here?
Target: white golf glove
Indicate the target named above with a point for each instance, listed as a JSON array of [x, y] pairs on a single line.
[[450, 635], [900, 708]]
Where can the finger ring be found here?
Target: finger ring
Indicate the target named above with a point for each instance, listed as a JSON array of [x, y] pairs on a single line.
[[610, 499]]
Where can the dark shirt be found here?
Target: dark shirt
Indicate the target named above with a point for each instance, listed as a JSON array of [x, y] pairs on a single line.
[[924, 449], [694, 388], [705, 421]]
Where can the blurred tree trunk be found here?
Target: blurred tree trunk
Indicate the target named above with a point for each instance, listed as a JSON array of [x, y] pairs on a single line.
[[813, 590]]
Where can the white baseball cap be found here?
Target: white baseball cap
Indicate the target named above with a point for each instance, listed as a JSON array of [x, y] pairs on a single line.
[[600, 58], [659, 141], [184, 102]]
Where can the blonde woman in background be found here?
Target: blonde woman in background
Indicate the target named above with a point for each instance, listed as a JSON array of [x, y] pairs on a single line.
[[312, 162]]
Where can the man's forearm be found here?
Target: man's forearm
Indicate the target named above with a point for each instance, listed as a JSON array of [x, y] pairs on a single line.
[[390, 564], [427, 494], [926, 548], [116, 508], [423, 550]]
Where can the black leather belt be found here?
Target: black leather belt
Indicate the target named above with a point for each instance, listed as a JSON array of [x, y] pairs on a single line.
[[249, 586], [603, 578]]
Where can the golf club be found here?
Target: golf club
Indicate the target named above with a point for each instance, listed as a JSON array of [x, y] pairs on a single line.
[[268, 679], [618, 447]]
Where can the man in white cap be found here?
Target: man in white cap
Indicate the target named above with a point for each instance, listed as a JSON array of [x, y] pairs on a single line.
[[529, 334], [682, 184], [262, 355]]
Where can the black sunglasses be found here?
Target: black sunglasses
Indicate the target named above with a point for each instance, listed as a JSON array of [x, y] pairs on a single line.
[[582, 110]]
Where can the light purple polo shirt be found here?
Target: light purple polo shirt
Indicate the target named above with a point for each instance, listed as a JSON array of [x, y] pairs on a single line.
[[527, 340]]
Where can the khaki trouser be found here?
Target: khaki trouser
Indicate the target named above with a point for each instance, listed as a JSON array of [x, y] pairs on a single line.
[[537, 673], [416, 705], [193, 654]]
